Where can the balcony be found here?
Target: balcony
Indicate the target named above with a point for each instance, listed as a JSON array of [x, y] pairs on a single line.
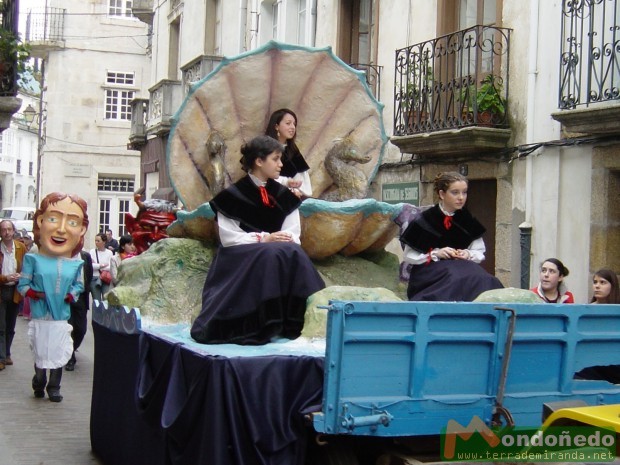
[[197, 69], [143, 10], [589, 95], [165, 99], [451, 93], [139, 113], [45, 29], [373, 76]]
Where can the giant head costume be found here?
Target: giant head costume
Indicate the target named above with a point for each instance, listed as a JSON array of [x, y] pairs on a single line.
[[60, 224]]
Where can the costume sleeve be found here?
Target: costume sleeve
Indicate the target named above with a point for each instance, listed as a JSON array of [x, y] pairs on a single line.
[[476, 250], [25, 279], [231, 233], [414, 257], [306, 186], [292, 224]]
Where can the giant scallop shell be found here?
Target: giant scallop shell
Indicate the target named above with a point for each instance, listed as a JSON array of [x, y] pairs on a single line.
[[234, 102]]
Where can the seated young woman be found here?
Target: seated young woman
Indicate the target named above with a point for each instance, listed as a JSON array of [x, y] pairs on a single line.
[[257, 285], [445, 246]]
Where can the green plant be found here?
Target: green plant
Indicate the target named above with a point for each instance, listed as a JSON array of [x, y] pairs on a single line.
[[12, 50], [488, 96], [418, 89]]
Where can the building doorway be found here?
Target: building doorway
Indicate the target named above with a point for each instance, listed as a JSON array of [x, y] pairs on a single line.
[[482, 203]]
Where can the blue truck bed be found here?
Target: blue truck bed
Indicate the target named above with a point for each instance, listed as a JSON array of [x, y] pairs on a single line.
[[407, 368]]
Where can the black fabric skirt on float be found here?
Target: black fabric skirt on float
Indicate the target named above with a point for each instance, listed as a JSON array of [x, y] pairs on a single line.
[[449, 281], [255, 292]]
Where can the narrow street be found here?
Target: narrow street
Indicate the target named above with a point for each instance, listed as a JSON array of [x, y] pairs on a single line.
[[37, 431]]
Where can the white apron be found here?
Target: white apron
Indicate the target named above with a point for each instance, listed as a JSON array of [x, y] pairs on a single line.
[[50, 342]]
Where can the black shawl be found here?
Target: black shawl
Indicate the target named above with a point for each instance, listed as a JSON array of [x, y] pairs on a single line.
[[293, 162], [428, 231], [242, 202]]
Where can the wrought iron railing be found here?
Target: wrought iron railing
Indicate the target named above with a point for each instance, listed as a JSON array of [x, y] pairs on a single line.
[[590, 55], [453, 81], [373, 77], [46, 25]]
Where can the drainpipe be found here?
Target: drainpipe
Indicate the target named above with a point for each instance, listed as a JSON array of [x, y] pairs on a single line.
[[526, 227]]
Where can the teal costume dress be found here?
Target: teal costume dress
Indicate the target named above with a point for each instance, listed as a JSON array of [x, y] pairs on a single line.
[[49, 331]]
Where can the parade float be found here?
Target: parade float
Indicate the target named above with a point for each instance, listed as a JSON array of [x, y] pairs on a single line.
[[369, 373]]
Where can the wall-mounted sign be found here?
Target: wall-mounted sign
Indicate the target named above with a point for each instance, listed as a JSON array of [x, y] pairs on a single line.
[[402, 192], [77, 171]]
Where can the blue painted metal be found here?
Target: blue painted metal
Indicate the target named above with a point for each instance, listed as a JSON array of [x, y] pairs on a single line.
[[406, 368]]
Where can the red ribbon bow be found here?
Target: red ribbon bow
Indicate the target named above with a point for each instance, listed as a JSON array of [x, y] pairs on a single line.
[[265, 197], [447, 222]]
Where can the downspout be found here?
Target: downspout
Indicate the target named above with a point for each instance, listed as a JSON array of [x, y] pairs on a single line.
[[526, 227]]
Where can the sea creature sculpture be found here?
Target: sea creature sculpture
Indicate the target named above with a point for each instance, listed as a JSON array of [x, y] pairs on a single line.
[[350, 182], [331, 100]]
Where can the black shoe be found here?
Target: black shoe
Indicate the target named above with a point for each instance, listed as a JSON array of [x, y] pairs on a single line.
[[54, 395], [39, 393], [70, 366]]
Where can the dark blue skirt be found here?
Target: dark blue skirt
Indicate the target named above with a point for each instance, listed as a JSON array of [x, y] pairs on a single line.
[[450, 281], [256, 292]]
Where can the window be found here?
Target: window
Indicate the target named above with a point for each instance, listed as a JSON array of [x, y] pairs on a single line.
[[18, 168], [30, 168], [115, 184], [117, 99], [301, 23], [115, 195], [275, 14], [120, 8]]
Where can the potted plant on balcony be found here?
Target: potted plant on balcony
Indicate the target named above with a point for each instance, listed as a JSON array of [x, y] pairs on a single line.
[[416, 100], [13, 52], [490, 105]]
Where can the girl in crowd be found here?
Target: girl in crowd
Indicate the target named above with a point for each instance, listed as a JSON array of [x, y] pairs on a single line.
[[605, 287], [126, 249], [551, 287], [257, 285], [101, 261], [295, 173], [52, 279], [445, 246]]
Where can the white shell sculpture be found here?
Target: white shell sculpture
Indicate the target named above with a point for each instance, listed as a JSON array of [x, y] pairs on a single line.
[[233, 104]]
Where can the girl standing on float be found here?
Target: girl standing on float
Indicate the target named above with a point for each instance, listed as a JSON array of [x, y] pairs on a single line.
[[445, 246], [605, 287], [295, 173]]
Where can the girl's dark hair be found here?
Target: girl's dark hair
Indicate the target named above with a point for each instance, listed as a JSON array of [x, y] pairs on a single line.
[[561, 268], [124, 240], [103, 237], [614, 292], [444, 180], [259, 147], [276, 118]]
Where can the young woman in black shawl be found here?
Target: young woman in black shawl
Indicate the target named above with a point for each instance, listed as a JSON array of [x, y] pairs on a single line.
[[295, 173], [445, 246], [258, 283]]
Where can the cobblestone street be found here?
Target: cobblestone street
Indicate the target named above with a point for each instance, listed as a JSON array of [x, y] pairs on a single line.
[[37, 431]]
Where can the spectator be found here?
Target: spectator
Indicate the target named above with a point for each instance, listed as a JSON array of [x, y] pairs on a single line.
[[111, 243], [101, 261], [605, 287], [551, 287], [11, 260], [79, 309]]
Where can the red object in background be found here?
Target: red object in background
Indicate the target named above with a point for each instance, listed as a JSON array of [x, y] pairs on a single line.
[[149, 226]]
